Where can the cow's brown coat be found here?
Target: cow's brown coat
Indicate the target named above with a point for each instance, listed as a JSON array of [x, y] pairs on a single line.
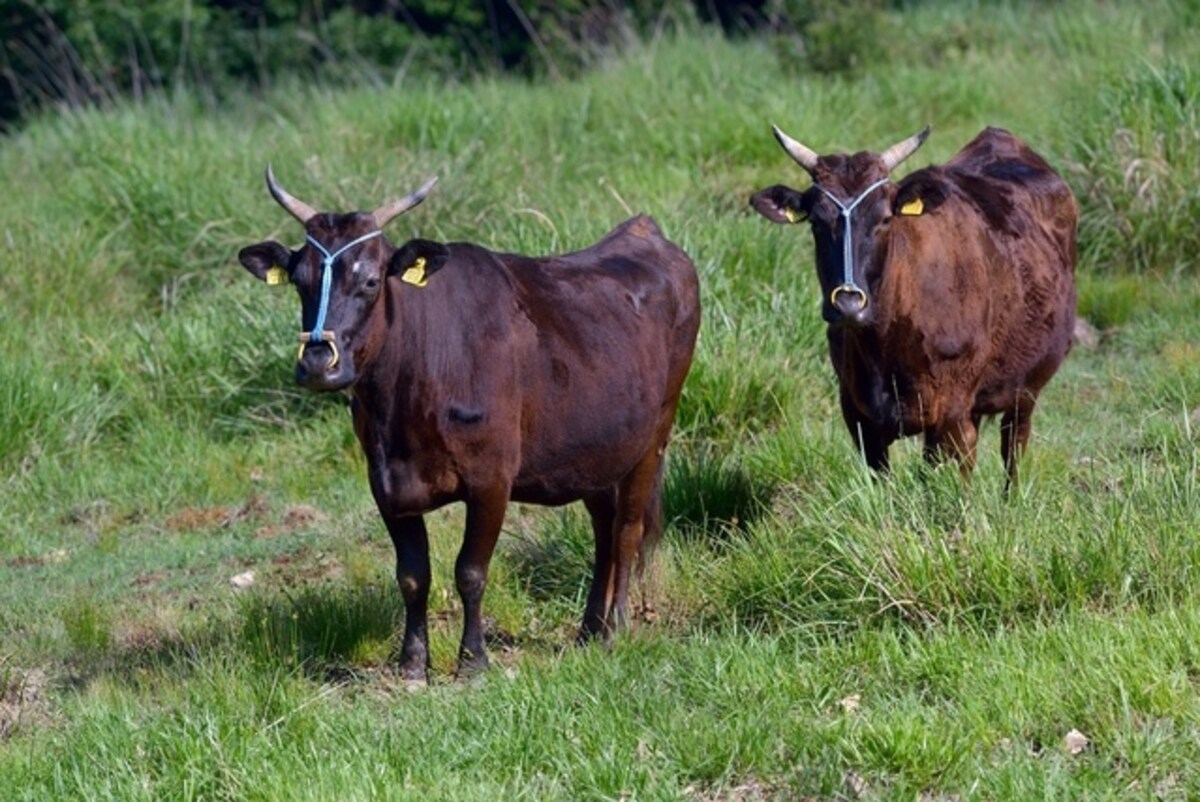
[[969, 304], [542, 380]]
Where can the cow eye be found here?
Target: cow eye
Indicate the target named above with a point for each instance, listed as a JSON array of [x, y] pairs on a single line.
[[372, 283]]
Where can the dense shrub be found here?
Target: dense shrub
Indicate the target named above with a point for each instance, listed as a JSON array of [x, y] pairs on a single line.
[[62, 51], [80, 52], [830, 36]]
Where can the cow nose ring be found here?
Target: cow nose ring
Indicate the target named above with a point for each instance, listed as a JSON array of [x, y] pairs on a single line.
[[326, 337], [849, 289]]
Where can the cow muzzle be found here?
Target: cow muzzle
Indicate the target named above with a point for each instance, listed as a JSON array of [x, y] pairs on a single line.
[[319, 365], [849, 300], [306, 338]]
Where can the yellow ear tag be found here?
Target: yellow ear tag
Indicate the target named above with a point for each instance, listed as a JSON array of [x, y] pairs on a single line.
[[791, 214], [276, 275], [913, 207], [415, 275]]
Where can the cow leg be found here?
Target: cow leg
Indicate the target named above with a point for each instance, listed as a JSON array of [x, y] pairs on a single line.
[[954, 438], [1015, 427], [413, 576], [633, 497], [485, 516], [603, 510], [870, 441]]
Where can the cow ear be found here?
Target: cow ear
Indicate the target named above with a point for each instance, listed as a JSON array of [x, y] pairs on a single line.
[[780, 204], [416, 260], [268, 261], [919, 193]]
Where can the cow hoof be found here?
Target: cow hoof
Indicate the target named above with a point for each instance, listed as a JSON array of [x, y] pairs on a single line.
[[471, 666], [601, 637], [414, 675]]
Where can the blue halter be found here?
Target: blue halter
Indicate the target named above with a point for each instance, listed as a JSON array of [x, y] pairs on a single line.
[[318, 330], [848, 284]]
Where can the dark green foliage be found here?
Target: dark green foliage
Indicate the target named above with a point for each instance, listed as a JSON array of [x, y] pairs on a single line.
[[832, 36], [78, 53]]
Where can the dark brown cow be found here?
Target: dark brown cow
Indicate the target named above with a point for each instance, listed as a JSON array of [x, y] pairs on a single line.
[[948, 296], [481, 377]]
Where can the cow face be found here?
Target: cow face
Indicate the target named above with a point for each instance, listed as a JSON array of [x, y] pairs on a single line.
[[341, 276], [849, 208]]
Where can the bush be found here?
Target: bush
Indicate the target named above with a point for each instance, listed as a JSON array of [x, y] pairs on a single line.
[[831, 36], [82, 52]]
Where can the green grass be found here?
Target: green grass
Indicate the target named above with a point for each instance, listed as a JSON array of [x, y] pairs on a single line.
[[819, 633]]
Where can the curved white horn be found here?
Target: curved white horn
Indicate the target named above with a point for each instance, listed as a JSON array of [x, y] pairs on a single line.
[[390, 211], [804, 156], [902, 150], [297, 208]]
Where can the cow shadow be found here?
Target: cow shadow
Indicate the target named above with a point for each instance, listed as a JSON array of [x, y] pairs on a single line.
[[710, 495], [322, 628], [551, 555]]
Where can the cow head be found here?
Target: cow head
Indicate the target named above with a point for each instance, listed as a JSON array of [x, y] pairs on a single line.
[[849, 207], [341, 276]]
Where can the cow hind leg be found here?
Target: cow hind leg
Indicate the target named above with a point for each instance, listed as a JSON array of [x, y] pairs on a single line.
[[653, 524], [485, 517], [413, 576], [1015, 427], [602, 508], [633, 498]]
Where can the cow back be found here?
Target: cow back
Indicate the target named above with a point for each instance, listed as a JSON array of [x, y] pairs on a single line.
[[979, 287], [554, 370]]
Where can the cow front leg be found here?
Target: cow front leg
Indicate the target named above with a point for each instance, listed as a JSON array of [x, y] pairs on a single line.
[[871, 442], [602, 508], [411, 542], [953, 438], [485, 516]]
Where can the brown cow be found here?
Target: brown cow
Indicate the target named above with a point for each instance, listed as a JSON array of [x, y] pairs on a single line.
[[481, 377], [948, 296]]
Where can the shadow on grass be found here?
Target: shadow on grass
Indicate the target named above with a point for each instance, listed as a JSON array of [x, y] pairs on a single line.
[[322, 627], [707, 497], [554, 562], [710, 495]]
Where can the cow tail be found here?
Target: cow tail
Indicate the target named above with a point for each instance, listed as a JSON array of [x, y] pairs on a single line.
[[652, 530]]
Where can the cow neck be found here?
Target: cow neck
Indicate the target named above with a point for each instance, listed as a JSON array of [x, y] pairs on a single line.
[[382, 362], [848, 283]]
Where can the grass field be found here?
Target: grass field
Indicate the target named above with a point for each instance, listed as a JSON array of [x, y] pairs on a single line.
[[819, 634]]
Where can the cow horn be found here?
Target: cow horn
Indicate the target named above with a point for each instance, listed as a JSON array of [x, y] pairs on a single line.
[[902, 150], [804, 156], [390, 211], [297, 208]]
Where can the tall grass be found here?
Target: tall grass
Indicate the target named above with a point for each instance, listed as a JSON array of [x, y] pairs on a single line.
[[820, 632], [1138, 167]]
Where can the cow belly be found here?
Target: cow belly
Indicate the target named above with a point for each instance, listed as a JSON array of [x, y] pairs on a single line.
[[590, 453], [400, 488]]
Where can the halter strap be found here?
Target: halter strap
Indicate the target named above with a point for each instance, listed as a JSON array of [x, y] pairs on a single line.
[[318, 333], [847, 244]]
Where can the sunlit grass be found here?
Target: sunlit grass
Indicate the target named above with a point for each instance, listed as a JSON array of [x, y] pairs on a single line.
[[818, 630]]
